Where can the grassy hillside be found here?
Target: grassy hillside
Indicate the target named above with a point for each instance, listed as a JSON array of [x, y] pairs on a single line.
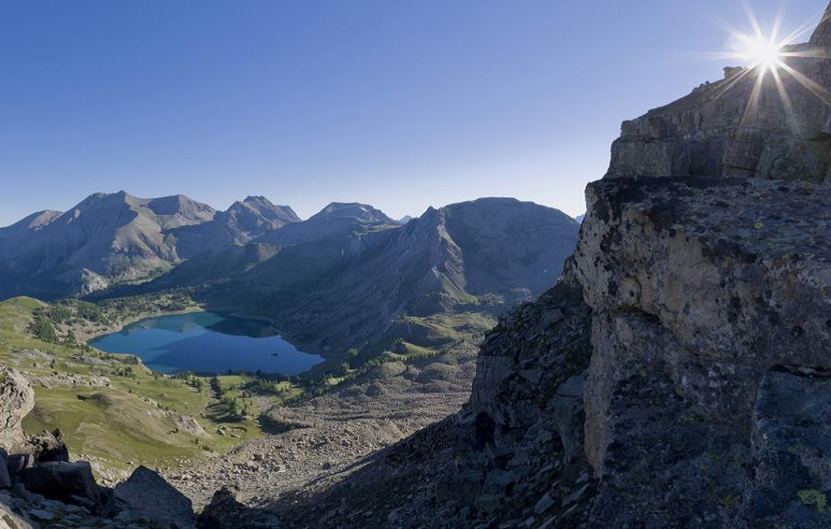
[[112, 409]]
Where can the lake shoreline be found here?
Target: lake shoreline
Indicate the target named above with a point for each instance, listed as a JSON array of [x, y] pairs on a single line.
[[86, 337]]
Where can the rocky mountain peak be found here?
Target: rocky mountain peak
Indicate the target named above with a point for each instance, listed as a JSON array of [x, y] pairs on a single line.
[[35, 221], [353, 210], [260, 205]]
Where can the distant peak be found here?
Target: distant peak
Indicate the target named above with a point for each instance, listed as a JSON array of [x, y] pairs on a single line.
[[354, 210], [506, 200], [258, 198], [101, 197]]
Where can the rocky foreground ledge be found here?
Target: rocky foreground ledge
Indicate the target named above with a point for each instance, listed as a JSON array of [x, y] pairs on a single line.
[[40, 487]]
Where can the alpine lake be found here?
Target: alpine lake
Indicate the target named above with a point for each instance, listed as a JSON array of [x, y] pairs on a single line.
[[207, 343]]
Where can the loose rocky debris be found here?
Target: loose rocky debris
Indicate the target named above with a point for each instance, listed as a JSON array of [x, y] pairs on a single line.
[[56, 380], [501, 461], [321, 441]]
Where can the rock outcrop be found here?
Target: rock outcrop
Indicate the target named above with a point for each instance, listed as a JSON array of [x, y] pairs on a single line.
[[17, 398], [700, 289], [149, 496], [739, 127], [225, 511]]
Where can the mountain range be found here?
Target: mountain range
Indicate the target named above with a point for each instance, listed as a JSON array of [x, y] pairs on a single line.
[[350, 289], [344, 276]]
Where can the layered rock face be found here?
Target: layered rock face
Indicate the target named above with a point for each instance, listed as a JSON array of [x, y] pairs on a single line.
[[701, 288]]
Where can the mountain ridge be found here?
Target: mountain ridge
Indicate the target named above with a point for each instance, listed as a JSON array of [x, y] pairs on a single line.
[[109, 238]]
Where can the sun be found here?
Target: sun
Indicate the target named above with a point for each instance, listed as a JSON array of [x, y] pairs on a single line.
[[762, 52], [771, 57]]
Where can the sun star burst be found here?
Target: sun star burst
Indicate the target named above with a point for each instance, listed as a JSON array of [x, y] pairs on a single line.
[[765, 53]]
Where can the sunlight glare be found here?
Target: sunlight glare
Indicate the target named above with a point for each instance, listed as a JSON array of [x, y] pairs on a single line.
[[762, 52]]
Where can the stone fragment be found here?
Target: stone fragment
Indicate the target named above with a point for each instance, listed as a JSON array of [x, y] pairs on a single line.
[[50, 447], [545, 503], [60, 480], [145, 494], [225, 511], [5, 478]]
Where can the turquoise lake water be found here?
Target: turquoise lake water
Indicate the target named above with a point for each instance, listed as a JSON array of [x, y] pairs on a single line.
[[207, 342]]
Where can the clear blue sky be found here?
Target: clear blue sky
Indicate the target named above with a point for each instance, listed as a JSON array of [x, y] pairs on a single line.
[[401, 104]]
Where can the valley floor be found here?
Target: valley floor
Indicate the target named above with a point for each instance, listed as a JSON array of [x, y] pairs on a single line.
[[335, 432]]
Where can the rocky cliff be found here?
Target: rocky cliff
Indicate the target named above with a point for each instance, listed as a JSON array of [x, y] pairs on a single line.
[[678, 374], [739, 126]]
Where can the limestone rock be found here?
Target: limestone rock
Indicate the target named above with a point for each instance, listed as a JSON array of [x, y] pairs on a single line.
[[10, 520], [717, 131], [49, 447], [790, 446], [699, 287], [570, 416], [5, 478], [17, 398], [822, 35]]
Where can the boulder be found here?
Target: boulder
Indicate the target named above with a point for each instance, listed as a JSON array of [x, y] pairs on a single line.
[[17, 398], [60, 480], [49, 447], [17, 462], [145, 494], [225, 511]]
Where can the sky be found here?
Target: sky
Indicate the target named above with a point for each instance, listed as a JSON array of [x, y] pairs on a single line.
[[402, 104]]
